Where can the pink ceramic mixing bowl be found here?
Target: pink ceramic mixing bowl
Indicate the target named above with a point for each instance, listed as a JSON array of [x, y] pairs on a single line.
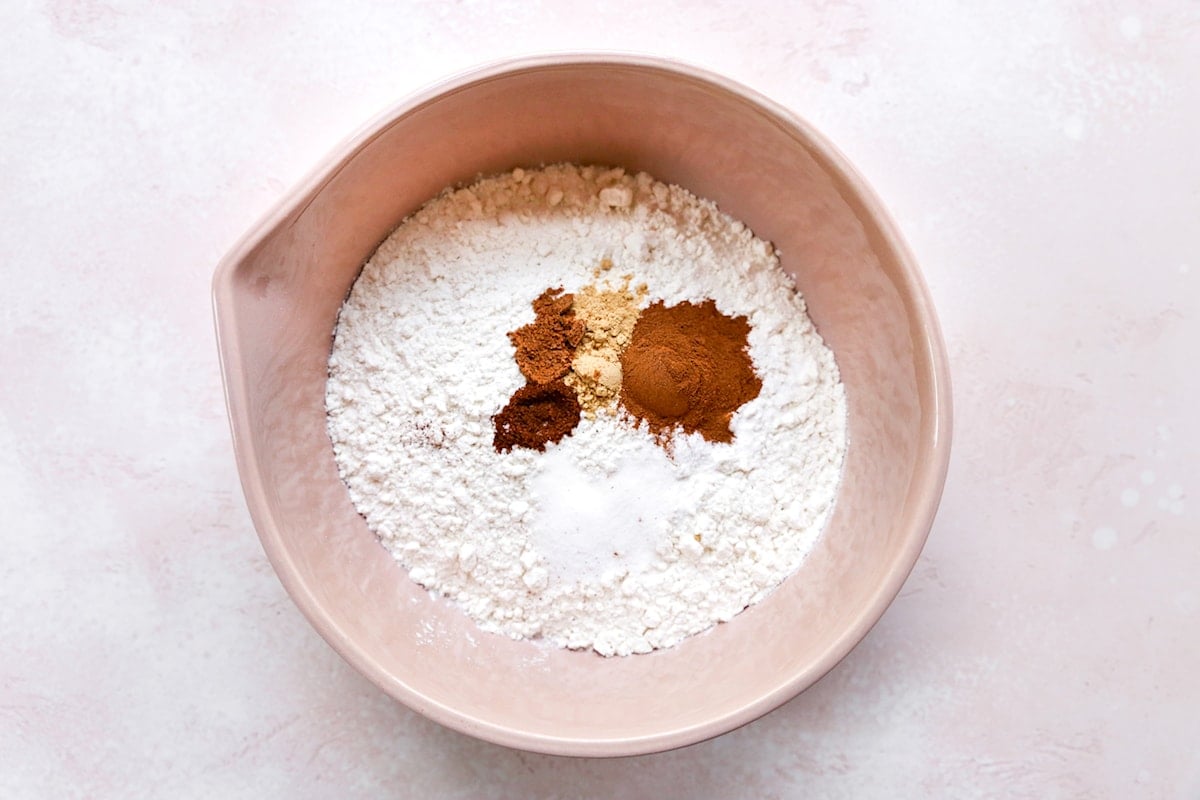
[[277, 295]]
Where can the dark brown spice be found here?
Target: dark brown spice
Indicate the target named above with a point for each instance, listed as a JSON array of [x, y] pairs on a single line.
[[536, 415]]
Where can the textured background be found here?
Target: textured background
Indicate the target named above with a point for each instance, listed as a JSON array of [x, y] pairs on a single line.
[[1042, 160]]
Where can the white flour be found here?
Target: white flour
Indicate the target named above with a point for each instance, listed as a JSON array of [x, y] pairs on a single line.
[[603, 541]]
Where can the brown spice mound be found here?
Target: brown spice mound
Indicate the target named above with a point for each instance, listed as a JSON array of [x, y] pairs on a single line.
[[687, 367], [536, 415], [545, 409], [546, 346]]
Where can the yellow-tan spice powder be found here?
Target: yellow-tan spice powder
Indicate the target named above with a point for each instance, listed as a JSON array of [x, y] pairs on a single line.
[[609, 315]]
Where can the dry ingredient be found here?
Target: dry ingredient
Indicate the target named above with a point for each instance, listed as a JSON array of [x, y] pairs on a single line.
[[601, 539], [546, 346], [609, 316], [538, 414], [545, 409], [682, 367], [687, 367]]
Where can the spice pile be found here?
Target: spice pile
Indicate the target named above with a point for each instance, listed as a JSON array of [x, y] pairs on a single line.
[[682, 367], [615, 462], [544, 410]]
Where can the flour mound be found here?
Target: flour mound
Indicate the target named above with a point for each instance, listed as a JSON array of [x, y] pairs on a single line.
[[603, 541]]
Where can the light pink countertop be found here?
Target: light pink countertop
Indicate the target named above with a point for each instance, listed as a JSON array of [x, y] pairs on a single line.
[[1043, 162]]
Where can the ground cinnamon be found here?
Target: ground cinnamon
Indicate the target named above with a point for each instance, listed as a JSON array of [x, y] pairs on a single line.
[[687, 367]]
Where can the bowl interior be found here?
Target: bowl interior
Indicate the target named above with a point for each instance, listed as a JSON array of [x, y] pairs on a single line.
[[277, 297]]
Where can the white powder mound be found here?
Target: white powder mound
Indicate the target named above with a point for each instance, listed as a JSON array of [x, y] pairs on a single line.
[[603, 541]]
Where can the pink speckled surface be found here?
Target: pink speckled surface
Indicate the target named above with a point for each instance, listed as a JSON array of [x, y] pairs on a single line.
[[1041, 161]]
